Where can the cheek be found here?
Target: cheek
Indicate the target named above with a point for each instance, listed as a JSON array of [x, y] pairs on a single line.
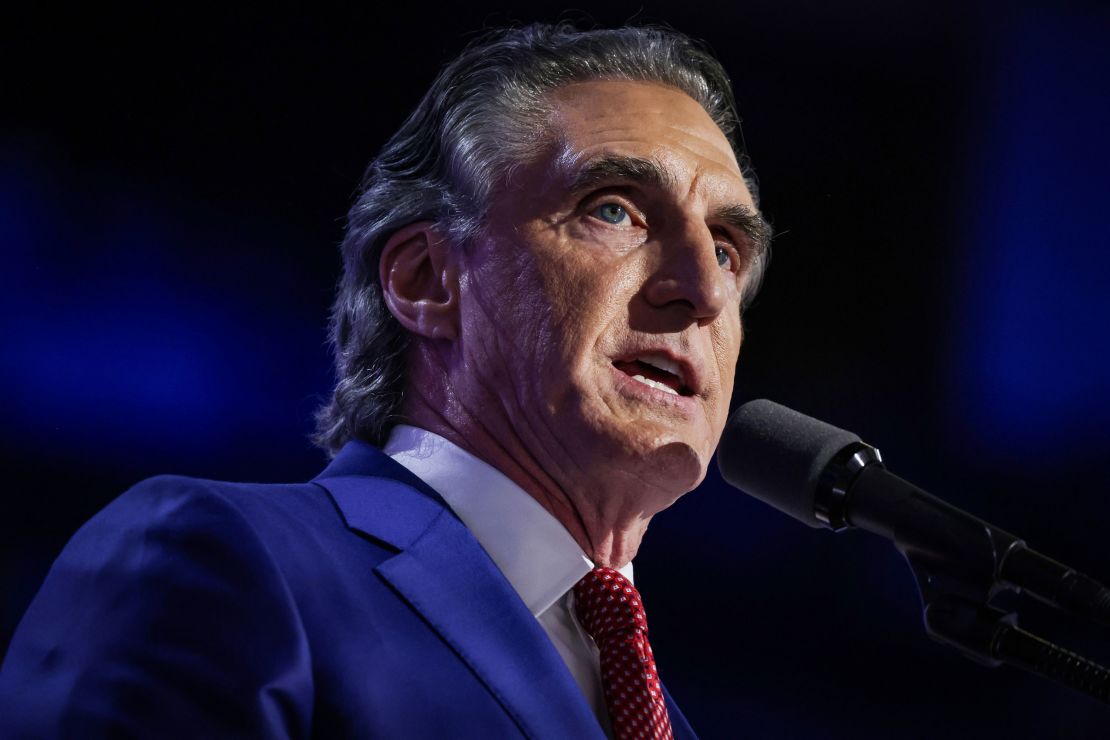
[[728, 336], [588, 300], [552, 307], [505, 317], [726, 347], [529, 319]]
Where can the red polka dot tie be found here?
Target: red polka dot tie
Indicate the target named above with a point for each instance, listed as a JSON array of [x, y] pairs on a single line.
[[610, 609]]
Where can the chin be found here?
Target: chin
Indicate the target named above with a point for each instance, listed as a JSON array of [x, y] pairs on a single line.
[[657, 452], [610, 431], [680, 465]]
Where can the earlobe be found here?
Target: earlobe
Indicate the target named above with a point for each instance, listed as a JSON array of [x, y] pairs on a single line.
[[420, 281]]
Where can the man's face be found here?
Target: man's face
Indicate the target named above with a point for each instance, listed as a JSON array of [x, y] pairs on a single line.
[[601, 305]]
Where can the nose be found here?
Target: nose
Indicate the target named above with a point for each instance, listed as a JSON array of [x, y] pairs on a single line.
[[688, 276]]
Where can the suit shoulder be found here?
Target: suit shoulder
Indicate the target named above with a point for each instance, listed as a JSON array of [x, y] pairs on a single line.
[[167, 609], [260, 506], [233, 493], [194, 517]]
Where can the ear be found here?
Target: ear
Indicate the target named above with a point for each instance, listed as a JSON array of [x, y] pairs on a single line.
[[420, 281]]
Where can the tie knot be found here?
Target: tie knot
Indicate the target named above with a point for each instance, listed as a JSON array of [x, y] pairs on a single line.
[[606, 602]]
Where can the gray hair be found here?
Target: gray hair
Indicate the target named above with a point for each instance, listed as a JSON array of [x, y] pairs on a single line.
[[482, 116]]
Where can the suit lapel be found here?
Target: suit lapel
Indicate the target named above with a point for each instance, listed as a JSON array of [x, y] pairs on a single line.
[[474, 609], [679, 724], [445, 576]]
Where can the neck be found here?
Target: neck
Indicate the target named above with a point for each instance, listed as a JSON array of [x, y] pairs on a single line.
[[606, 514]]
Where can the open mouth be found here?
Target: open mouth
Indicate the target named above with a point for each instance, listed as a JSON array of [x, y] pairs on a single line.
[[655, 372]]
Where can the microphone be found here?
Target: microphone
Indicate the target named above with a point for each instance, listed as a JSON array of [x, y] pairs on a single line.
[[826, 477]]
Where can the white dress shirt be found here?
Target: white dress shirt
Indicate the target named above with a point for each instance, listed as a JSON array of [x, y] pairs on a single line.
[[534, 551]]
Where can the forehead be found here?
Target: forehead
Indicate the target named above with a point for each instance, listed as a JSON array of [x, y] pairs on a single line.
[[649, 120]]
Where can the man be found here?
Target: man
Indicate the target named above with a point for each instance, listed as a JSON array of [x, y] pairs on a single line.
[[538, 322]]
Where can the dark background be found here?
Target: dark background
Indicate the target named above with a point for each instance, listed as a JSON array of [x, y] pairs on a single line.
[[172, 187]]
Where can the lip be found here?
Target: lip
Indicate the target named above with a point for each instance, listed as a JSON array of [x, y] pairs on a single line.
[[691, 373], [634, 389]]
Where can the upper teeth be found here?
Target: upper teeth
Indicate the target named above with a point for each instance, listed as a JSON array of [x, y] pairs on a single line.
[[663, 363]]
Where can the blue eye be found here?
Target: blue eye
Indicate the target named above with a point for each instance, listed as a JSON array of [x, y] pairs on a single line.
[[611, 213], [724, 256]]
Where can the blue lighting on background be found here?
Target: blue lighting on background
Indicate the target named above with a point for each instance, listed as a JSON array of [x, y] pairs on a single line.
[[1033, 364], [133, 324]]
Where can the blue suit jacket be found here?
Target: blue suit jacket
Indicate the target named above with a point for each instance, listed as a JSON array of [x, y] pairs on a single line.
[[356, 605]]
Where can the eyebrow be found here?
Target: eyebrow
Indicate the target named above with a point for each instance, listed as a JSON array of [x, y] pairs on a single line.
[[651, 174], [639, 170], [748, 222]]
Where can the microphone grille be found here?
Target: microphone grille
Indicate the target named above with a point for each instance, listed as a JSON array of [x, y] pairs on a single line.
[[777, 455]]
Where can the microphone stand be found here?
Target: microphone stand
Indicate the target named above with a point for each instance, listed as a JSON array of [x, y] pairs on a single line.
[[961, 564], [956, 600], [958, 612], [991, 636]]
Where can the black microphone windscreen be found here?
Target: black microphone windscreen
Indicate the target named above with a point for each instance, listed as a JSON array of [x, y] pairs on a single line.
[[777, 455]]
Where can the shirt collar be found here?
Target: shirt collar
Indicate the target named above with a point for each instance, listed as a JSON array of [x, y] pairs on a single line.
[[532, 549]]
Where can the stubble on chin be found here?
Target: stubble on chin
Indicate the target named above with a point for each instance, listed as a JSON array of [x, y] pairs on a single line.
[[636, 456]]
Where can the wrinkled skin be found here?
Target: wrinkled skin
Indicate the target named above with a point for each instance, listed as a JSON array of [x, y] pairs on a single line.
[[516, 334]]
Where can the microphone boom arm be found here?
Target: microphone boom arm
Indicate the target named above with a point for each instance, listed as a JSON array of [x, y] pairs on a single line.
[[824, 476], [960, 564]]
